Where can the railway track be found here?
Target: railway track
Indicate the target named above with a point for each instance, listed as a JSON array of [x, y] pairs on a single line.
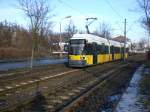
[[18, 77], [65, 107], [111, 79], [69, 94], [23, 93], [57, 89]]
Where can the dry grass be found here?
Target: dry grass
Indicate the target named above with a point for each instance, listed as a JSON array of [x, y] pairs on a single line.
[[11, 52]]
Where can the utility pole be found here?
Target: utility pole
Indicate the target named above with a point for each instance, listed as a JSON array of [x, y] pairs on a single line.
[[148, 39], [125, 23], [60, 37], [60, 41]]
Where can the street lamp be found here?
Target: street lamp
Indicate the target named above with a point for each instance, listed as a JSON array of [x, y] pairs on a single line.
[[60, 38]]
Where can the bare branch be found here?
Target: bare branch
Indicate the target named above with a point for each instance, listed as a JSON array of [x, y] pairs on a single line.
[[145, 7], [71, 29], [103, 30]]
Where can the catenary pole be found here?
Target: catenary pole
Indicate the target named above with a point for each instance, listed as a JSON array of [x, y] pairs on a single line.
[[125, 23]]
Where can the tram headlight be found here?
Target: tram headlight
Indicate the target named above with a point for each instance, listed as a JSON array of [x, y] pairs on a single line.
[[82, 58]]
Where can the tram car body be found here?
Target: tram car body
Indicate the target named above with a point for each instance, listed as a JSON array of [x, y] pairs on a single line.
[[88, 49]]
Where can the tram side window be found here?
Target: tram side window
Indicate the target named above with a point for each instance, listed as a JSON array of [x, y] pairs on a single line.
[[103, 49], [111, 49], [122, 50], [106, 49], [88, 49], [100, 49], [77, 41], [117, 49], [95, 48]]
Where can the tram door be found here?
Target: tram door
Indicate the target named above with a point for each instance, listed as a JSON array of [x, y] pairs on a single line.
[[94, 53], [113, 51], [122, 52]]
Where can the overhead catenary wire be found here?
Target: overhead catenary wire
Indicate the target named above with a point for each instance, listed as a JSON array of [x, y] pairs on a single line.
[[118, 14], [75, 9], [108, 3], [114, 10], [118, 24], [132, 24]]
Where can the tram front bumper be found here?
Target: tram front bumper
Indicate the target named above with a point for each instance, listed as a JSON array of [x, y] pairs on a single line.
[[77, 63]]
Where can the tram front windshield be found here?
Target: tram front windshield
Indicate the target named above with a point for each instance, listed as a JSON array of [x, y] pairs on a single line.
[[76, 46]]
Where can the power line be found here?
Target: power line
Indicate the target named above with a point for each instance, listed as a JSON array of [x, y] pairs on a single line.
[[66, 4], [118, 24], [131, 26], [114, 10], [80, 12]]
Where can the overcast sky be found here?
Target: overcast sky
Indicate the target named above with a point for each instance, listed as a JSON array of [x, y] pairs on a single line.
[[112, 12]]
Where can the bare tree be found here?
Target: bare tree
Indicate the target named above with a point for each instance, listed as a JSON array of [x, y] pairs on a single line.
[[81, 32], [7, 31], [71, 29], [142, 43], [145, 7], [103, 30], [37, 12], [5, 34]]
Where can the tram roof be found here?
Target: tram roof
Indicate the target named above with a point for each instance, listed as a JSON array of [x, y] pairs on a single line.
[[91, 38], [115, 43]]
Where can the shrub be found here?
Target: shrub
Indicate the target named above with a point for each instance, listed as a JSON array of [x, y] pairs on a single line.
[[148, 55], [11, 52]]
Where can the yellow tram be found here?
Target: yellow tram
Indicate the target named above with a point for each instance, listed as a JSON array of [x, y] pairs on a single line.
[[89, 49]]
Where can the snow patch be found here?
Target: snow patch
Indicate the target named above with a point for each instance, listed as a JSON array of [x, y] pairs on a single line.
[[129, 100]]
